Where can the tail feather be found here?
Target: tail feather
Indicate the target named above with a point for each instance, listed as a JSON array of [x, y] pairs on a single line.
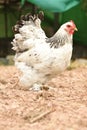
[[27, 19], [27, 30]]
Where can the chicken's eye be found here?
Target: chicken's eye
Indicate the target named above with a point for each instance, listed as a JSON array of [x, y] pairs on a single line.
[[68, 26]]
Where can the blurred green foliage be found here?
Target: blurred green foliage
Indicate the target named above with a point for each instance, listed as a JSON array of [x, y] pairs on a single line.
[[84, 5]]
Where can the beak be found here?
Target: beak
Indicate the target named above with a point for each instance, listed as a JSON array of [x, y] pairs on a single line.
[[76, 29]]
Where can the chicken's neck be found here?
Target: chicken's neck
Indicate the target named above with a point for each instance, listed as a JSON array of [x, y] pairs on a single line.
[[60, 39]]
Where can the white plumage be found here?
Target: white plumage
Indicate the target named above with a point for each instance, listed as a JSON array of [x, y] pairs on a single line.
[[40, 58]]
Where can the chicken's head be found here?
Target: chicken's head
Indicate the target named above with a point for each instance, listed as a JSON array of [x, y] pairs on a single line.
[[69, 27]]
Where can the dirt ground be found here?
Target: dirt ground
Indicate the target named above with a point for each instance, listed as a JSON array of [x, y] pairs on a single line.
[[62, 107]]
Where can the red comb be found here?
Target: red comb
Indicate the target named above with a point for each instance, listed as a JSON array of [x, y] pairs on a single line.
[[72, 22]]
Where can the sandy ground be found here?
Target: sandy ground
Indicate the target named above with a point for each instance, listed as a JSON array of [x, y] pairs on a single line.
[[62, 107]]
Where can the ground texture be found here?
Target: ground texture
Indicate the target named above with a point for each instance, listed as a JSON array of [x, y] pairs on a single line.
[[62, 107]]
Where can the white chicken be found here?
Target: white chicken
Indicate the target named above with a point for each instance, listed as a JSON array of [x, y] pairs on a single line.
[[38, 57]]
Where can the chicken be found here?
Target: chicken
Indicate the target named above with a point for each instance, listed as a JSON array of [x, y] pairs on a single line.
[[38, 57]]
